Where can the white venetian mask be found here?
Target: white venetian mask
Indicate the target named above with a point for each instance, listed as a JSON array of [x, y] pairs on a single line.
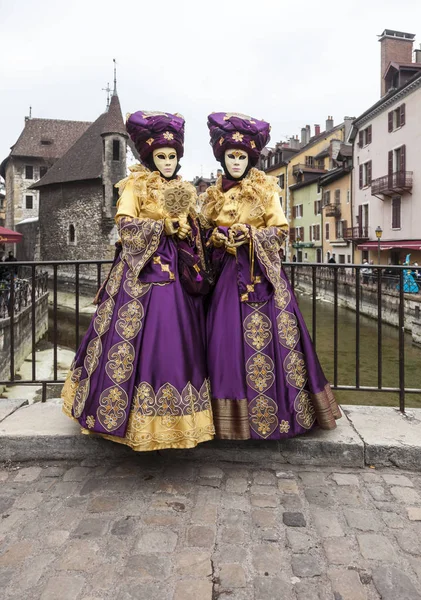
[[236, 162], [165, 160]]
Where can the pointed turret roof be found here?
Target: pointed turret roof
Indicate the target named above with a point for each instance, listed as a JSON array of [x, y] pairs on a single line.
[[114, 119], [82, 161]]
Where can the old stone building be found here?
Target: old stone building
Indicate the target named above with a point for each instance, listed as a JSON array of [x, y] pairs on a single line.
[[77, 194], [41, 143]]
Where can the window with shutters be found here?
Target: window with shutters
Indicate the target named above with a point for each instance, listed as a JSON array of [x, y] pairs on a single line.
[[317, 207], [282, 181], [396, 118], [337, 197], [309, 161], [326, 197], [298, 211], [348, 196], [339, 230], [327, 232], [365, 174], [365, 136], [299, 234], [396, 212], [399, 159]]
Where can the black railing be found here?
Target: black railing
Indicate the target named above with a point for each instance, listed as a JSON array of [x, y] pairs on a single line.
[[23, 292], [392, 183], [358, 282]]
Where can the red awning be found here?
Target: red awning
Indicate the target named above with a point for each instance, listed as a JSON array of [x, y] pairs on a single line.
[[9, 236], [399, 244]]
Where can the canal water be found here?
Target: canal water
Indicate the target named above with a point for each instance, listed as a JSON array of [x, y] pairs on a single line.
[[324, 346]]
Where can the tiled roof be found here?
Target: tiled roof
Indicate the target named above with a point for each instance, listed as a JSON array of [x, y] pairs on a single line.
[[48, 138], [83, 160]]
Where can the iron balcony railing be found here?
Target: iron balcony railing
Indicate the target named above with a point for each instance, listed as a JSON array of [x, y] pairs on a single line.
[[394, 183], [308, 168], [356, 233], [377, 281], [332, 210]]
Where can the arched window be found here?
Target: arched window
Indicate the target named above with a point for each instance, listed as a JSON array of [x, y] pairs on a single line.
[[71, 235]]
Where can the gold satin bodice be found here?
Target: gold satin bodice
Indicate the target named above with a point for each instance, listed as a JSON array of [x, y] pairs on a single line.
[[142, 194], [254, 201]]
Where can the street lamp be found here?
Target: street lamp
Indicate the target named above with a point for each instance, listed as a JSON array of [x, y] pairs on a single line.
[[379, 232]]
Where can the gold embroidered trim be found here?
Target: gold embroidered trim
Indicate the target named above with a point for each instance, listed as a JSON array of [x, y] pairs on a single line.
[[256, 189], [164, 267], [260, 372]]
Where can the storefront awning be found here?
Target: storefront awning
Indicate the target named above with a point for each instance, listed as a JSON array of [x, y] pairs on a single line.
[[398, 244], [7, 236]]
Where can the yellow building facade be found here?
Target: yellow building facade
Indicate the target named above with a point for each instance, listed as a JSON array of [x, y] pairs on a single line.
[[335, 189], [312, 161]]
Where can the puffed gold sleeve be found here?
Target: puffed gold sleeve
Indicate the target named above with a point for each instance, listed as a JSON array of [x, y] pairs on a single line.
[[274, 215], [127, 205]]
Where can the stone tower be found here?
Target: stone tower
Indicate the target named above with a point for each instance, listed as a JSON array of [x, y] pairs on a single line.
[[114, 151]]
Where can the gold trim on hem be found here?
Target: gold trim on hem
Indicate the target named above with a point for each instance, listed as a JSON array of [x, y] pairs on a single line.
[[326, 408], [154, 435], [231, 418], [191, 431]]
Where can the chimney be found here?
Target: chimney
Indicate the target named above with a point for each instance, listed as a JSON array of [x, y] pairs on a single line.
[[294, 144], [418, 55], [211, 176], [317, 130], [303, 136], [347, 127], [329, 123], [395, 46], [308, 133]]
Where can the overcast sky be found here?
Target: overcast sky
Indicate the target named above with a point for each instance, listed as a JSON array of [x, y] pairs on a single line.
[[290, 62]]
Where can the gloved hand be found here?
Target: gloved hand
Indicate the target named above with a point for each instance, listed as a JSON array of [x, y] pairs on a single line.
[[183, 231], [218, 239], [170, 226], [238, 235]]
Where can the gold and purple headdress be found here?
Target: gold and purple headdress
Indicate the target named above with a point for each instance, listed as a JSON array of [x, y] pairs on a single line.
[[234, 130], [151, 130]]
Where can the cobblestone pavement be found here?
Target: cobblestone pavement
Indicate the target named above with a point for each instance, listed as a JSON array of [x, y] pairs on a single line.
[[154, 527]]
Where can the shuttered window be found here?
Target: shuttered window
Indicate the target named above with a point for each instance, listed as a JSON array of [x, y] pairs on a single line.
[[361, 177], [327, 232], [390, 121], [402, 114], [396, 212], [402, 165]]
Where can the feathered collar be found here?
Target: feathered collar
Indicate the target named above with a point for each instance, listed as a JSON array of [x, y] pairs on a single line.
[[256, 189], [149, 187]]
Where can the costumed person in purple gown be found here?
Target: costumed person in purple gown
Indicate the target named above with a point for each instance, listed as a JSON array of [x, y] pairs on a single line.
[[265, 376], [139, 377]]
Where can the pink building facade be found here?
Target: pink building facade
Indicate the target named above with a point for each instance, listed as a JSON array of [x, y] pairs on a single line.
[[387, 170]]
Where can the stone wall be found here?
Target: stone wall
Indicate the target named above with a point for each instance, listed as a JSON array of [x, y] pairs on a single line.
[[22, 335], [17, 188], [368, 299], [79, 204], [113, 170], [29, 247]]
